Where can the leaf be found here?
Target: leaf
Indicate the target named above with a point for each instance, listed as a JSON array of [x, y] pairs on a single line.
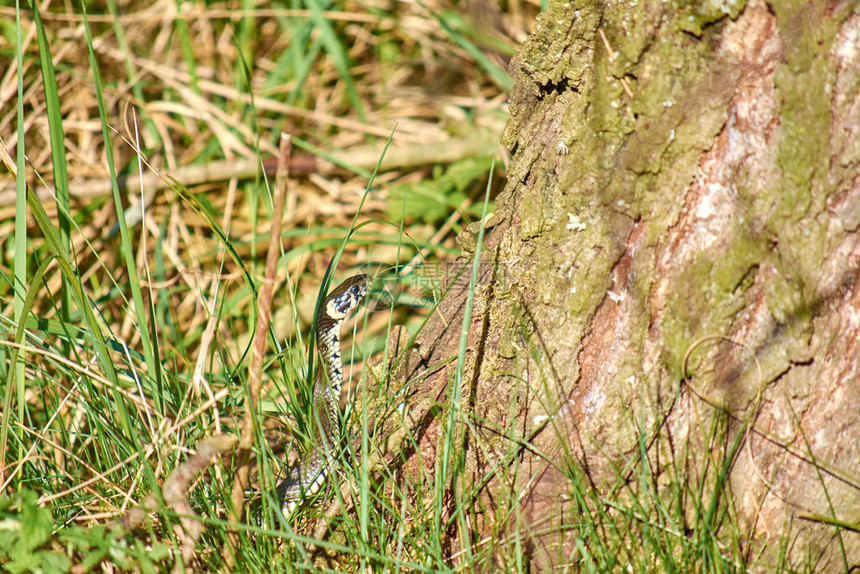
[[54, 562], [22, 560], [433, 200], [36, 523]]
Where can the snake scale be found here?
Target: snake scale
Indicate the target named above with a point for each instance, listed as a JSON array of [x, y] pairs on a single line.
[[309, 474]]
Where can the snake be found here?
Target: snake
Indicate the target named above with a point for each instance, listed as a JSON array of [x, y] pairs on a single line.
[[308, 475]]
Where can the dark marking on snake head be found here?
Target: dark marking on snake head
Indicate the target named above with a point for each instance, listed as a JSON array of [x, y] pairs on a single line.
[[345, 298]]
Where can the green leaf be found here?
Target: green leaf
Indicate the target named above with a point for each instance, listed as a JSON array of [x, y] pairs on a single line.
[[433, 200], [463, 173], [22, 560], [35, 521], [54, 562], [8, 536], [26, 528], [159, 551]]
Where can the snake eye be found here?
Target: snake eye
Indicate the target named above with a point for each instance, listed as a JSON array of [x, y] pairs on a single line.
[[354, 290]]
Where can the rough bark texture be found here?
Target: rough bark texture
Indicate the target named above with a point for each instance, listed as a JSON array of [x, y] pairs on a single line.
[[690, 265]]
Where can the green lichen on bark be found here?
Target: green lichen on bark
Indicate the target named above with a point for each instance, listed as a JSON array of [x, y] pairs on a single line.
[[564, 34], [704, 298], [801, 186], [803, 82], [697, 16], [679, 105]]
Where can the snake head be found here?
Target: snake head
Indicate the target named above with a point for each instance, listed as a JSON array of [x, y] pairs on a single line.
[[346, 297]]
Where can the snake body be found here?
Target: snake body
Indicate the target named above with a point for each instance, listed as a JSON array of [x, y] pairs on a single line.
[[309, 474]]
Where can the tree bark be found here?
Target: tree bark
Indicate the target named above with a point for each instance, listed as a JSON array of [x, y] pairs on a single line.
[[679, 292]]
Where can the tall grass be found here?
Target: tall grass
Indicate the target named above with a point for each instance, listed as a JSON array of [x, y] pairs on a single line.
[[103, 390]]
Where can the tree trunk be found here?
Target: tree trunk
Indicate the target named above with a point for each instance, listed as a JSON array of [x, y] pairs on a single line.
[[669, 312]]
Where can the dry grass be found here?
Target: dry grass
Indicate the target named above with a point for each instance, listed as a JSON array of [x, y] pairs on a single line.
[[199, 94], [411, 80]]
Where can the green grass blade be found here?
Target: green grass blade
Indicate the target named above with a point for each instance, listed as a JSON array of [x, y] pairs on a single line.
[[17, 359], [185, 44], [130, 70], [328, 156], [496, 74], [455, 395], [94, 333], [324, 284], [153, 366], [58, 148], [337, 52], [20, 279]]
